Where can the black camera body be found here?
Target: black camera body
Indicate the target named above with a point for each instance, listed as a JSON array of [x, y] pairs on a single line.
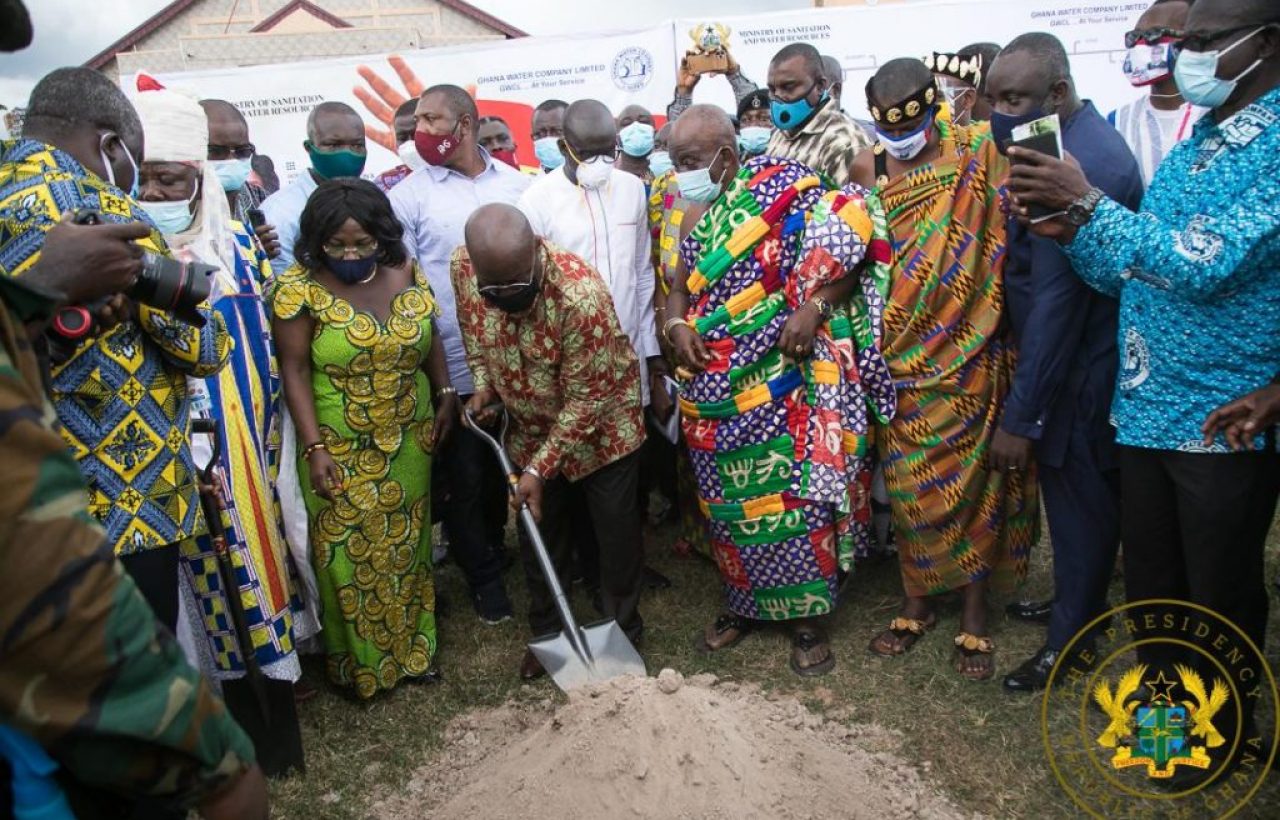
[[165, 284]]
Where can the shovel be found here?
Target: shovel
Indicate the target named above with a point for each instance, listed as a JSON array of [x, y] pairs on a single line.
[[579, 655]]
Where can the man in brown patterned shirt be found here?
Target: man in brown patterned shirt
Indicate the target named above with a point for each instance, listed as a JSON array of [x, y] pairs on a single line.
[[542, 336], [811, 129]]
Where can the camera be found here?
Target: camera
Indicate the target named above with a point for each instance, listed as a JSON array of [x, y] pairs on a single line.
[[165, 284]]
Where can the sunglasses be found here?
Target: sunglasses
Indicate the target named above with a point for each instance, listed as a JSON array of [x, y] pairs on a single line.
[[1150, 36], [493, 291], [362, 250], [1200, 42], [245, 151]]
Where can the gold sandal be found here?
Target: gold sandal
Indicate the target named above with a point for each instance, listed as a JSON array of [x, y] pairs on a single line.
[[968, 646], [906, 631]]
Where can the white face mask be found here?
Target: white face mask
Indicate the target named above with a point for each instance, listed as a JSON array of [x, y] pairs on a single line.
[[595, 172], [409, 155], [908, 147], [1146, 64]]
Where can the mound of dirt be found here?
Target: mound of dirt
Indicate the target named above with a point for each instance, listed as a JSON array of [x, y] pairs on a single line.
[[664, 748]]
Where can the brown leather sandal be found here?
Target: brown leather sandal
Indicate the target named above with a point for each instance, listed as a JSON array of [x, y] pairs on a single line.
[[726, 631], [970, 646], [805, 643], [905, 631]]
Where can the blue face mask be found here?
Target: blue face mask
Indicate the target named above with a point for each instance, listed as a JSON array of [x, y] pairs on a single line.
[[660, 162], [1196, 73], [754, 139], [548, 153], [1002, 125], [351, 271], [637, 139], [232, 173], [698, 186], [788, 116], [170, 217]]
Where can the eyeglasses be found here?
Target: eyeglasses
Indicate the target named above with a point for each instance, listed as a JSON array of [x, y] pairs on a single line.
[[490, 292], [1200, 42], [245, 151], [362, 250], [1150, 35], [608, 156]]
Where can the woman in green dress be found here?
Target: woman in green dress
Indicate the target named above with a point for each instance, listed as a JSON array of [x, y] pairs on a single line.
[[362, 368]]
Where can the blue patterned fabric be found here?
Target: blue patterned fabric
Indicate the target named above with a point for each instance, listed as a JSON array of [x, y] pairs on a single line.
[[1197, 271], [122, 396]]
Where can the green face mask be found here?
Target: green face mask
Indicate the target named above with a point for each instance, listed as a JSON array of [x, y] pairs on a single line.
[[334, 164]]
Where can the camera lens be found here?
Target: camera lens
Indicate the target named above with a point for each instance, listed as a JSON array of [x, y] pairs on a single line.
[[174, 287]]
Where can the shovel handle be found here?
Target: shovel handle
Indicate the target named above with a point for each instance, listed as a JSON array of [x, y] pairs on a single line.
[[535, 536]]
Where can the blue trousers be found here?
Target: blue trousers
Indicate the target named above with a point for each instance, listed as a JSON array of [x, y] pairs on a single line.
[[1082, 503]]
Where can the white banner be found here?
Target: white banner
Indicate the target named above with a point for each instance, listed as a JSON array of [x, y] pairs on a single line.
[[864, 37], [510, 77], [507, 77]]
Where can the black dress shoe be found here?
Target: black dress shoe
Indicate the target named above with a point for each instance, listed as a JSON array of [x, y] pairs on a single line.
[[1033, 674], [1036, 612]]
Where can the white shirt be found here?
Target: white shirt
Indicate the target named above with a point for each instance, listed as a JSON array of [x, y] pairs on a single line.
[[433, 204], [283, 209], [609, 228], [1152, 132]]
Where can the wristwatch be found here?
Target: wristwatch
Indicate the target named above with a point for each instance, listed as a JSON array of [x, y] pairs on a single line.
[[824, 307], [1081, 211]]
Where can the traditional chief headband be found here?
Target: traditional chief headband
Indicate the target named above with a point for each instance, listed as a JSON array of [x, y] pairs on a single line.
[[904, 109], [966, 70]]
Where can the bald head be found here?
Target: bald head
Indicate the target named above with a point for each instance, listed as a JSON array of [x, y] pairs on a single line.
[[703, 123], [703, 137], [333, 119], [588, 122], [500, 243]]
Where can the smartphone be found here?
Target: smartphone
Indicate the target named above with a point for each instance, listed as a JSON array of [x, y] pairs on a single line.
[[256, 218]]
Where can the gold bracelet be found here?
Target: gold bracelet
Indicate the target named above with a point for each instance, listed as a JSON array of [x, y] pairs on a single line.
[[666, 328], [310, 450]]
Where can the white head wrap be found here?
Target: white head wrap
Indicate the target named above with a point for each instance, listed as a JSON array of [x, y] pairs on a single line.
[[176, 129]]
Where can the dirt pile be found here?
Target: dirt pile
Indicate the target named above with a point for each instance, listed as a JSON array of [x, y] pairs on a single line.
[[664, 748]]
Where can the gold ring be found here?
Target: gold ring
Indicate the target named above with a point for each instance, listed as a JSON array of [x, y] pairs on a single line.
[[799, 348]]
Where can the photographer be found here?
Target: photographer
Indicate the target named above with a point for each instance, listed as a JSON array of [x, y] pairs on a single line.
[[121, 396]]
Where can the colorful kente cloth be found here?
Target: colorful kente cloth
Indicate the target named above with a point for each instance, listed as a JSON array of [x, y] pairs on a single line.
[[244, 398], [667, 227], [122, 396], [371, 548], [779, 448], [955, 521]]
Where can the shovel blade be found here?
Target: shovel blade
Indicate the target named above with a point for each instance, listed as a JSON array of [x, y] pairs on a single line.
[[611, 656]]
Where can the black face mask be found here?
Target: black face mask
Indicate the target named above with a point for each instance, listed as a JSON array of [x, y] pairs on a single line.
[[517, 301], [351, 271]]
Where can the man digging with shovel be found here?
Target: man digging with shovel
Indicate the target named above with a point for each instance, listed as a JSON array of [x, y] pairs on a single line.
[[542, 338]]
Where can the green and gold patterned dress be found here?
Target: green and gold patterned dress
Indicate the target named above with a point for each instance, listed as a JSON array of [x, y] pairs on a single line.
[[371, 547]]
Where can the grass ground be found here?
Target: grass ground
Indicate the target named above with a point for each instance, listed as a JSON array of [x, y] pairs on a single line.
[[980, 746]]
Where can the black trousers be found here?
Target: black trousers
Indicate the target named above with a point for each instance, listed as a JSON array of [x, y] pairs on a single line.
[[1193, 527], [612, 505], [1082, 503], [155, 572], [471, 494]]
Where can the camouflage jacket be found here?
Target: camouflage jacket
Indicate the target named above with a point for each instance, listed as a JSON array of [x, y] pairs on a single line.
[[83, 667]]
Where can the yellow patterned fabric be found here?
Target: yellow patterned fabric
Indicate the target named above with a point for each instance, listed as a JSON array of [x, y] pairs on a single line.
[[122, 396], [371, 547], [956, 521]]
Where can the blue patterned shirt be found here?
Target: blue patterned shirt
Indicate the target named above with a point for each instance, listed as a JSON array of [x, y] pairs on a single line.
[[1197, 271], [122, 397]]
